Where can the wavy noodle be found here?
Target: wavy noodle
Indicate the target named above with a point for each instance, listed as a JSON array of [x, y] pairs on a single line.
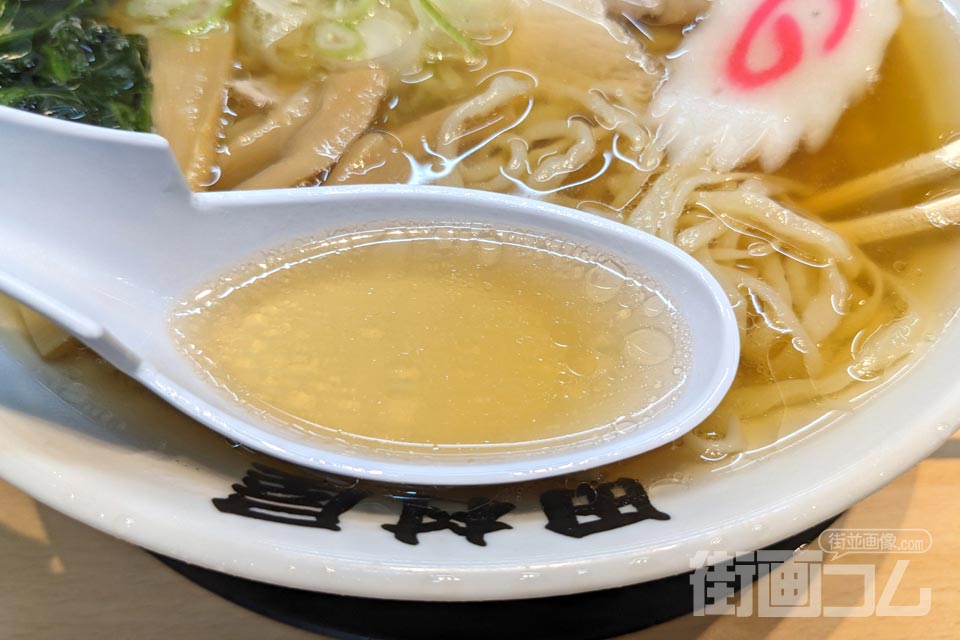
[[815, 314], [502, 90]]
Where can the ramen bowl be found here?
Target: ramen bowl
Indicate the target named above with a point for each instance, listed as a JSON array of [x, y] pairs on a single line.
[[86, 441]]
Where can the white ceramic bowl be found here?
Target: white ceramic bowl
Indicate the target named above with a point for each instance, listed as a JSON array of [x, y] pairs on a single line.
[[158, 481]]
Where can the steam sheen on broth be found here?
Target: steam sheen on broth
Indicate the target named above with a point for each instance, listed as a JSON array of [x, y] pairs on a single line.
[[823, 320]]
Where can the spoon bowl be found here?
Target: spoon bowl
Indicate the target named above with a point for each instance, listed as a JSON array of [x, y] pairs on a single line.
[[101, 234]]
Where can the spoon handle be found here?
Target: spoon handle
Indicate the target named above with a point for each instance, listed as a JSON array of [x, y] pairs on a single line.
[[69, 194]]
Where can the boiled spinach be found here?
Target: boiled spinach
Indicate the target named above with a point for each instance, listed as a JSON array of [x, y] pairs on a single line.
[[59, 58]]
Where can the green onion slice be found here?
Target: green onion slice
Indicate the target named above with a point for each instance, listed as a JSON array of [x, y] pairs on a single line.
[[337, 40], [187, 16], [447, 27]]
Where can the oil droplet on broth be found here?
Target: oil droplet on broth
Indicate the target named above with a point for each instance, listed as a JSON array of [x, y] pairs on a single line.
[[442, 337]]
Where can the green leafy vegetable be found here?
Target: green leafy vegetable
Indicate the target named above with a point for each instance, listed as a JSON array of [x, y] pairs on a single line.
[[58, 58]]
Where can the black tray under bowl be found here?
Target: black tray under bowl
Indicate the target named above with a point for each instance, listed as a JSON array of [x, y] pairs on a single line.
[[593, 615]]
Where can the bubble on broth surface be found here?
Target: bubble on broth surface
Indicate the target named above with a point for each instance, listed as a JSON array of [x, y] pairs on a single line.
[[650, 346]]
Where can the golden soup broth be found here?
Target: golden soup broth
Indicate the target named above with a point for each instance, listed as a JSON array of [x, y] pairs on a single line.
[[442, 336], [913, 108]]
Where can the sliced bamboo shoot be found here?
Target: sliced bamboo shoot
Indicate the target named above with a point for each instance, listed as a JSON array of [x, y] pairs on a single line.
[[51, 341], [254, 148], [348, 104], [189, 76], [927, 168], [937, 214], [576, 41], [375, 158]]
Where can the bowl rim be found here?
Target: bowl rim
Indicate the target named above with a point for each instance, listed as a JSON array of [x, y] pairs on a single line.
[[254, 550]]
